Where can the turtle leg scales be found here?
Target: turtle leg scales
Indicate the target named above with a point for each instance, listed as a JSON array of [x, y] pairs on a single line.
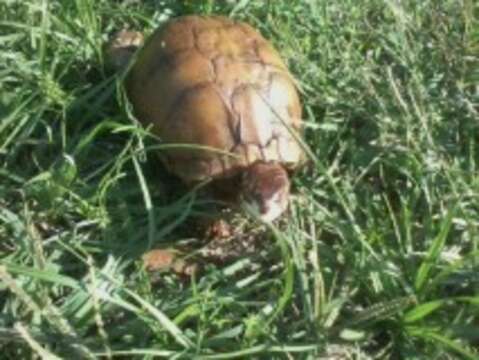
[[122, 47], [218, 229]]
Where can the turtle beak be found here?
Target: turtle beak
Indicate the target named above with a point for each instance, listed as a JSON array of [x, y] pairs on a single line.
[[267, 210]]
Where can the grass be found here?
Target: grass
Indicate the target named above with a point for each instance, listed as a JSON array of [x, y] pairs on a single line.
[[378, 258]]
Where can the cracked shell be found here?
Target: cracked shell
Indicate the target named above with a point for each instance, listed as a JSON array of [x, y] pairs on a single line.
[[218, 86]]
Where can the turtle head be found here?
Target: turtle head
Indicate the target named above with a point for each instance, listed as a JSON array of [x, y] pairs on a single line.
[[265, 190]]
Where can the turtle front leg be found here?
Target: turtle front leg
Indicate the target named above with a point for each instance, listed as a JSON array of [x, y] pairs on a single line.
[[218, 229], [122, 47]]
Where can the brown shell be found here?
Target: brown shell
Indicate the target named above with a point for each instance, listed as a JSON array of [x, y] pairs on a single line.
[[217, 83]]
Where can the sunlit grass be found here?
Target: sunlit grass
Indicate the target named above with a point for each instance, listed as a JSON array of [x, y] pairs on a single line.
[[378, 256]]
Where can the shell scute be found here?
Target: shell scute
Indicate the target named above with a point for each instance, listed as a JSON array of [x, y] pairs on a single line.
[[217, 83]]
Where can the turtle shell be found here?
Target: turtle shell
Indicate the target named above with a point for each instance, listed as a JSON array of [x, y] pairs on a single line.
[[220, 91]]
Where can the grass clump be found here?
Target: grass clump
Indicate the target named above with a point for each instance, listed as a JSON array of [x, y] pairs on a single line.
[[379, 256]]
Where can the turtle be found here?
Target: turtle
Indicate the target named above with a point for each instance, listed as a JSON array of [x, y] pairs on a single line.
[[220, 95]]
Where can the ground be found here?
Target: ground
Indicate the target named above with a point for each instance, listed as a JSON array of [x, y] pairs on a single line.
[[377, 257]]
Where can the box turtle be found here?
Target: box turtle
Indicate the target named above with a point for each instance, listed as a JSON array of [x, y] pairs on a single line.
[[219, 90]]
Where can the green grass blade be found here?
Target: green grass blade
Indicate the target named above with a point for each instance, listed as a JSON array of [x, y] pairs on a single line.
[[423, 275]]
